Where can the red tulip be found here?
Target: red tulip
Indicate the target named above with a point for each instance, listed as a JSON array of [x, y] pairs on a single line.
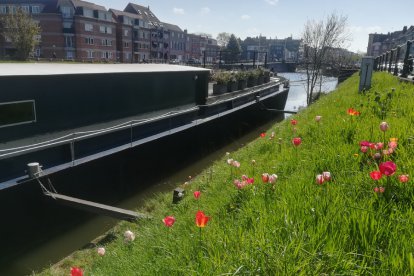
[[296, 141], [201, 219], [364, 143], [388, 168], [197, 194], [293, 122], [263, 134], [265, 177], [320, 179], [169, 221], [403, 178], [353, 112], [76, 271], [375, 175]]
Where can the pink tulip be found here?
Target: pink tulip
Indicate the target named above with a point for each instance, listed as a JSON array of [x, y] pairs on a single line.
[[364, 149], [129, 236], [384, 126], [101, 251], [379, 190], [403, 178], [388, 168], [236, 164], [326, 176], [318, 118], [272, 178]]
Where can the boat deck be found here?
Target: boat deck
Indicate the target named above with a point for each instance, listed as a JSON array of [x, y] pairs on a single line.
[[72, 147]]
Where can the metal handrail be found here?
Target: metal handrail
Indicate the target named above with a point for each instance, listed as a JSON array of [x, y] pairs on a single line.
[[85, 135]]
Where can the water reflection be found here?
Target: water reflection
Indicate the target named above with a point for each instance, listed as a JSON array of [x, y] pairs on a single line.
[[297, 91]]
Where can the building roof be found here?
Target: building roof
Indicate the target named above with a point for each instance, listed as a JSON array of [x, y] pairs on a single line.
[[84, 4], [145, 12], [40, 69], [123, 13], [172, 27]]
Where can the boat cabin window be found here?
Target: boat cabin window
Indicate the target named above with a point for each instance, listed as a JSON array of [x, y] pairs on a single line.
[[16, 113]]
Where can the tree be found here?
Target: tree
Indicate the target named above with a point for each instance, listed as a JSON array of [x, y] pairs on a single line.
[[233, 49], [318, 38], [22, 31], [223, 39]]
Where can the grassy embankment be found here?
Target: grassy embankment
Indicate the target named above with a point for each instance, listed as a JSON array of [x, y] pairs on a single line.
[[295, 226]]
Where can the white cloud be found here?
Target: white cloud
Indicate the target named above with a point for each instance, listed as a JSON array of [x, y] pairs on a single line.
[[272, 2], [245, 17], [178, 11], [205, 10]]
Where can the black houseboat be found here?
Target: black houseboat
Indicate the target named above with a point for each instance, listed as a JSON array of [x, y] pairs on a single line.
[[57, 116]]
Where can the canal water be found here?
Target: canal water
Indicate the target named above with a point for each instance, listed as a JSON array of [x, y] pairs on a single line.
[[47, 232]]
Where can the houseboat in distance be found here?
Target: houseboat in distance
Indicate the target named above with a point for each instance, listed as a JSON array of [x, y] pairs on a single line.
[[57, 116]]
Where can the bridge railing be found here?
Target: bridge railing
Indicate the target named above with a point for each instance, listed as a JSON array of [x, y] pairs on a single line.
[[225, 59], [397, 61]]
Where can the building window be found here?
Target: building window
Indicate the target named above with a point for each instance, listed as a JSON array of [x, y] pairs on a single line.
[[107, 55], [25, 9], [35, 9], [66, 12], [12, 9], [69, 41], [126, 32], [89, 41], [89, 54], [106, 42], [88, 13], [3, 9], [17, 113], [126, 44], [88, 27], [105, 29], [37, 52]]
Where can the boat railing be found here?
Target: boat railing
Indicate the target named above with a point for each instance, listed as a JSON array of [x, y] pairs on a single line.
[[82, 135], [240, 93]]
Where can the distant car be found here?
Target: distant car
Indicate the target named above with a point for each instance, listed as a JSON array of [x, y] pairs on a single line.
[[174, 61], [193, 61]]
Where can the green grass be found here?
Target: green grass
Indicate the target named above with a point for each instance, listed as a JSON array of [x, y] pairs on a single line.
[[296, 227]]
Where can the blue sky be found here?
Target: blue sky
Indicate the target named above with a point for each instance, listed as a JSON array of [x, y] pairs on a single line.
[[277, 18]]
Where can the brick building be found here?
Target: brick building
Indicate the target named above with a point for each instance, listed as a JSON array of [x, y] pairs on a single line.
[[381, 43], [83, 31]]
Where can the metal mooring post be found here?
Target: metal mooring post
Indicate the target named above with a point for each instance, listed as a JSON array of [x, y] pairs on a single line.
[[367, 66], [397, 56]]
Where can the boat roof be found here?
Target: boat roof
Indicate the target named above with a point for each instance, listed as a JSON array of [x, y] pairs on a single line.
[[38, 69]]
